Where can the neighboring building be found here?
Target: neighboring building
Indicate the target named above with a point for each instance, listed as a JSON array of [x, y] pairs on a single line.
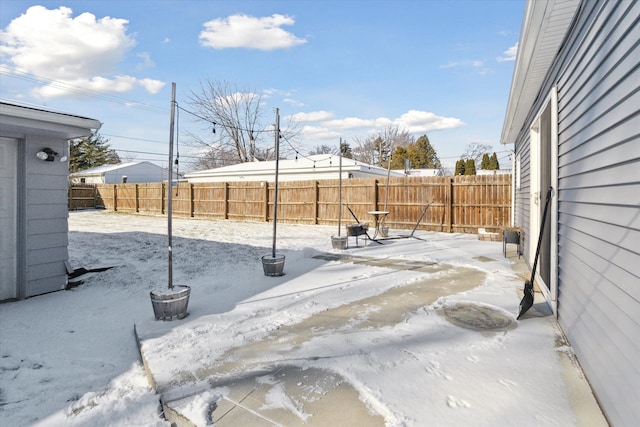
[[119, 173], [574, 117], [425, 172], [34, 177], [315, 167], [493, 172]]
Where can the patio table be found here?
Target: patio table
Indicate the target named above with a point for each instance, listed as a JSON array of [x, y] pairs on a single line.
[[378, 217]]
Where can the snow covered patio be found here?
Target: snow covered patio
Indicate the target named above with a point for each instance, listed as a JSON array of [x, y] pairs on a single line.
[[412, 332]]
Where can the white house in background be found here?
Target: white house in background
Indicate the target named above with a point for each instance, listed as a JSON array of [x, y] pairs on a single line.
[[493, 172], [121, 172], [573, 115], [425, 172], [34, 178], [315, 167]]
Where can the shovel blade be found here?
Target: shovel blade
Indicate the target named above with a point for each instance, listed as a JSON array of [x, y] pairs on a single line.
[[527, 299]]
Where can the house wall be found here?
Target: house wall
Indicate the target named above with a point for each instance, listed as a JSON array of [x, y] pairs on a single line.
[[8, 217], [597, 76], [143, 172], [45, 214], [285, 177]]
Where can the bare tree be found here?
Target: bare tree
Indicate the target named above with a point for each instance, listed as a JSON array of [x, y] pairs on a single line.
[[365, 150], [214, 157], [324, 149], [235, 113], [475, 151], [238, 124], [376, 149]]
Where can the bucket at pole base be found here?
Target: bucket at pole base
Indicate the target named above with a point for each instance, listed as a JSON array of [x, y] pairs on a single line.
[[171, 304], [339, 242], [273, 266]]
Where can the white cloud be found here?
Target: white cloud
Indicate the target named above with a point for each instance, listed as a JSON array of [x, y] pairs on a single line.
[[415, 121], [319, 133], [293, 102], [119, 84], [71, 51], [314, 116], [145, 61], [249, 32], [356, 123], [509, 54], [151, 86], [476, 65]]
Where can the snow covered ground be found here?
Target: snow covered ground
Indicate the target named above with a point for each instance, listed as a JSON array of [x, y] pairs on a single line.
[[69, 358]]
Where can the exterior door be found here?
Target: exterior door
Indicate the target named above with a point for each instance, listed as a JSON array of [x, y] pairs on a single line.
[[540, 146], [8, 214]]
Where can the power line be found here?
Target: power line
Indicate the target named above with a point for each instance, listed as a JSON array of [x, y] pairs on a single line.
[[153, 154], [134, 138], [68, 87]]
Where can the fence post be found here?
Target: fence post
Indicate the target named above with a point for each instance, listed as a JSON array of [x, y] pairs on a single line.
[[192, 203], [137, 199], [449, 203], [226, 201], [115, 197], [375, 195], [316, 193], [162, 207], [266, 201]]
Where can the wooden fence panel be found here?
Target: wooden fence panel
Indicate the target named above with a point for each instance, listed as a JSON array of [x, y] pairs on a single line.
[[481, 201], [127, 197], [151, 198], [82, 197], [180, 199], [106, 196], [296, 202], [459, 204], [247, 201], [210, 200]]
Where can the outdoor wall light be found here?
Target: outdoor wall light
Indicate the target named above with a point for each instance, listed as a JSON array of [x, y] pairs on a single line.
[[48, 155]]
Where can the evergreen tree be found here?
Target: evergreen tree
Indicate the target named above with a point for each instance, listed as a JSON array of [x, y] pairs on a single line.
[[345, 150], [486, 162], [493, 163], [89, 152], [470, 167], [423, 155], [398, 157], [460, 167]]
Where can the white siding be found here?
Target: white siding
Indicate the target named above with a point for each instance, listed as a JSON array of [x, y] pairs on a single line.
[[46, 218], [8, 218]]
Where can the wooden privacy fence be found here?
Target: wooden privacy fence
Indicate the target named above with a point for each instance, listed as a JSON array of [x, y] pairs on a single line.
[[458, 204]]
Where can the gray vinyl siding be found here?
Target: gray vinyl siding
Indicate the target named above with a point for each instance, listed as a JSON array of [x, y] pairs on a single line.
[[522, 196], [597, 77], [598, 83], [46, 218]]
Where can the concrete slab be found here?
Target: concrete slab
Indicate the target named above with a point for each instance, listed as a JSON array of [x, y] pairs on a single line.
[[261, 385]]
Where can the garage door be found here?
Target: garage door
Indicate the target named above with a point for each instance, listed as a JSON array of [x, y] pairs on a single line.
[[8, 202]]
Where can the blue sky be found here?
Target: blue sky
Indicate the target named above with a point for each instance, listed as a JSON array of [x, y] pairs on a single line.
[[342, 68]]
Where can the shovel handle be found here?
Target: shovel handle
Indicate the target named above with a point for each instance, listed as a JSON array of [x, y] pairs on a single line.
[[544, 217]]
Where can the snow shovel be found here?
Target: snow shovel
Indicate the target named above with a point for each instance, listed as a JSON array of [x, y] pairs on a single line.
[[527, 299]]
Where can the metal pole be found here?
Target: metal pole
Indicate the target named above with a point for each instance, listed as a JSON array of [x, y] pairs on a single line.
[[340, 189], [170, 178], [275, 192]]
